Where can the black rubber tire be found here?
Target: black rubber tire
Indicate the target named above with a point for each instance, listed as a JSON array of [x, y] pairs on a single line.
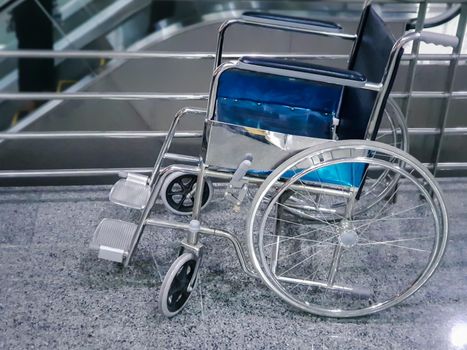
[[184, 184], [178, 284]]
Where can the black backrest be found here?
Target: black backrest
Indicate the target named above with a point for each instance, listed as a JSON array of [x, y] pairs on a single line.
[[371, 54]]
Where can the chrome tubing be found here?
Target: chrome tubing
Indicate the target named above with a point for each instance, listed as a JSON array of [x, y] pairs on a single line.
[[212, 232], [168, 140], [96, 134], [129, 55], [249, 22], [123, 96], [390, 70]]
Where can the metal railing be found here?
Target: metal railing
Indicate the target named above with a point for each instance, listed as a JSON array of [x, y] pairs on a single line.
[[455, 60]]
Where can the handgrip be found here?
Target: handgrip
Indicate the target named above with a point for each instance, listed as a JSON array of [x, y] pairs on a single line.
[[439, 39], [241, 171]]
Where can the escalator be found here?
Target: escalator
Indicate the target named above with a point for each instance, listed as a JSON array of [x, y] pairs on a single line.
[[77, 24]]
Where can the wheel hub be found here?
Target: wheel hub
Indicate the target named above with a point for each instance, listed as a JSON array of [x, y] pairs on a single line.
[[348, 236]]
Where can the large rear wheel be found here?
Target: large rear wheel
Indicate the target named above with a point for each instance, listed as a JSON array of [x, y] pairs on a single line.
[[355, 262]]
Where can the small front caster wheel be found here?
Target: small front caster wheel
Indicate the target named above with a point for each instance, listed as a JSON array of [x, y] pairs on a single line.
[[178, 284], [178, 193]]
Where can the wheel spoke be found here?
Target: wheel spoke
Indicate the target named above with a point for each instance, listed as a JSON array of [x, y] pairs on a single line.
[[386, 217], [171, 193], [287, 238], [389, 244], [189, 184], [301, 262], [180, 204]]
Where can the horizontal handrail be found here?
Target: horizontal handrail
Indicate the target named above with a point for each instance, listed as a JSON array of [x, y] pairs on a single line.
[[100, 96], [150, 54], [180, 135], [430, 94], [10, 174], [428, 131], [198, 55], [179, 97], [95, 134], [70, 172]]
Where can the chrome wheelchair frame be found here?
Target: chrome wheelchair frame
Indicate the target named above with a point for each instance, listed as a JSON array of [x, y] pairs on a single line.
[[248, 149]]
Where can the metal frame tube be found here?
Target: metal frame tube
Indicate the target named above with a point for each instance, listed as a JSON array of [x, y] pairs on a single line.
[[168, 140], [143, 217], [415, 50], [340, 288], [249, 22], [140, 96], [96, 134], [336, 257], [199, 192], [212, 232], [189, 169], [129, 55], [178, 135], [389, 73], [461, 30], [11, 174], [124, 96], [277, 229], [430, 94]]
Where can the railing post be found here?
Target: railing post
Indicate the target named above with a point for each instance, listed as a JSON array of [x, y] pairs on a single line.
[[413, 63], [461, 30]]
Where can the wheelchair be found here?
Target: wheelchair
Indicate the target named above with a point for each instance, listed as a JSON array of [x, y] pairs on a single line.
[[340, 224]]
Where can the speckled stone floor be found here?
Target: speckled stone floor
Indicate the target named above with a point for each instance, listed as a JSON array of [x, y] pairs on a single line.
[[56, 294]]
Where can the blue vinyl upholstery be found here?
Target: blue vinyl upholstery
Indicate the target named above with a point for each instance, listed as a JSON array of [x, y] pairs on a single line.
[[343, 174], [277, 103], [306, 108], [373, 47], [286, 105]]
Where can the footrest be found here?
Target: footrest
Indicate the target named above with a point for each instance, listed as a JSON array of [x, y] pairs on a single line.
[[132, 192], [112, 239]]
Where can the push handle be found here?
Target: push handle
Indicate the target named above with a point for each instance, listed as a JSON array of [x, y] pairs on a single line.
[[439, 39]]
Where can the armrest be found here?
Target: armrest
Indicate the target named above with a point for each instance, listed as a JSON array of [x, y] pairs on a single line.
[[276, 25], [292, 21], [308, 68]]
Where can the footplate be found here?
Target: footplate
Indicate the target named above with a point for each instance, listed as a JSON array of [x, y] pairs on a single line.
[[132, 192], [112, 239]]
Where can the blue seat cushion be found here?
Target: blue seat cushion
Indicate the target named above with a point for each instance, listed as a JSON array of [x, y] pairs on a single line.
[[277, 103]]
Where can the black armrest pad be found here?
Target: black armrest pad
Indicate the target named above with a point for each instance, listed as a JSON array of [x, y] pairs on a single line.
[[292, 19], [305, 68]]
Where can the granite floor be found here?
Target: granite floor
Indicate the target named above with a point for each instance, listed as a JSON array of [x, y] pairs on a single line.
[[56, 294]]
